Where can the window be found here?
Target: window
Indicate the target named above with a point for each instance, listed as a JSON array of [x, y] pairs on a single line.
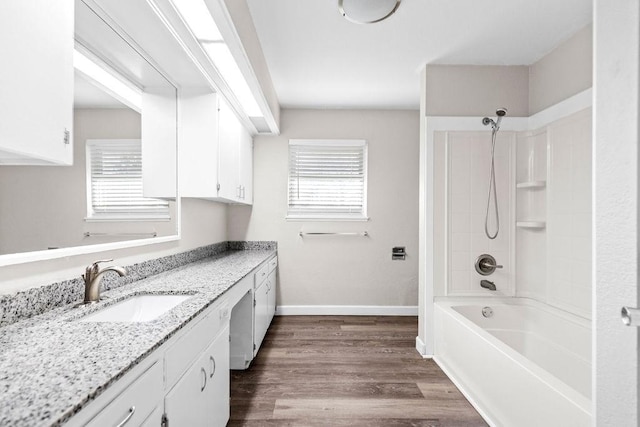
[[114, 183], [327, 179]]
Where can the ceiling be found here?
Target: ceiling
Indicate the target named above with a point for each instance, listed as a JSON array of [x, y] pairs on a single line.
[[317, 59]]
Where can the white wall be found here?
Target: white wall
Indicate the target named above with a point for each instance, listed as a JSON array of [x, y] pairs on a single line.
[[333, 270], [616, 124]]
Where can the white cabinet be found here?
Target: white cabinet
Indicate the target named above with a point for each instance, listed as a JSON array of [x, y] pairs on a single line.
[[36, 82], [201, 397], [246, 166], [216, 151], [159, 150], [265, 301], [229, 153], [261, 315]]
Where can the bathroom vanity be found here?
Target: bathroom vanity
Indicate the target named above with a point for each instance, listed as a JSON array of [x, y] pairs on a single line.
[[64, 368]]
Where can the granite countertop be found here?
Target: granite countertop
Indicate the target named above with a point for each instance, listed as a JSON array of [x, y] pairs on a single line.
[[51, 366]]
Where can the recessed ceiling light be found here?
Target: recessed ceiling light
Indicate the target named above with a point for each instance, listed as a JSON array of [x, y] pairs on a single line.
[[367, 11]]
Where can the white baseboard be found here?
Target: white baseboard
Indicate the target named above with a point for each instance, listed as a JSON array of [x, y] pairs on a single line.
[[422, 349], [347, 310]]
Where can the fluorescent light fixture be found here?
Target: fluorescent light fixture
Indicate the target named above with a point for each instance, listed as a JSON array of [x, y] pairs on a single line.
[[224, 62], [196, 15], [108, 80]]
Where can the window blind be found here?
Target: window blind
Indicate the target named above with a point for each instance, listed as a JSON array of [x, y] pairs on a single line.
[[327, 178], [114, 169]]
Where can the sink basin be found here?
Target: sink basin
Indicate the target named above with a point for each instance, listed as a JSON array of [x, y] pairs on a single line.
[[140, 308]]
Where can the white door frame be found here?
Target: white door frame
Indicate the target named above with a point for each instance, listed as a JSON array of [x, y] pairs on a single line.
[[615, 204]]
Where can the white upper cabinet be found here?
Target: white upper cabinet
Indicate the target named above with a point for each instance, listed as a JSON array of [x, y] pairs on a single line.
[[229, 153], [159, 142], [216, 151], [246, 166], [36, 82]]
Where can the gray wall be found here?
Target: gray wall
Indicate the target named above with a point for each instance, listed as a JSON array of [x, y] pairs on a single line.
[[337, 270], [470, 90], [564, 72], [477, 90], [45, 206]]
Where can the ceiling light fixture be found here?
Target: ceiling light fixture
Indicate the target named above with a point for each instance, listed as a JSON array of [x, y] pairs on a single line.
[[196, 15], [107, 79], [367, 11]]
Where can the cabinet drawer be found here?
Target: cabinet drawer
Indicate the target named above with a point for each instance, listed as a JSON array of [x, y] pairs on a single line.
[[181, 355], [136, 402], [273, 264], [261, 275]]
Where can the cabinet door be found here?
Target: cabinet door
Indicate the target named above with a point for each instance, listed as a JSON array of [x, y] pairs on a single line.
[[271, 299], [229, 153], [159, 150], [201, 397], [246, 167], [218, 382], [198, 146], [36, 82], [261, 314]]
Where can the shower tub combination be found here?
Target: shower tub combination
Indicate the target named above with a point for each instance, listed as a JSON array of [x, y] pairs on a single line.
[[520, 362]]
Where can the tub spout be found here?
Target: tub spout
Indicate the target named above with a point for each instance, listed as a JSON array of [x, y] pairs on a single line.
[[488, 285]]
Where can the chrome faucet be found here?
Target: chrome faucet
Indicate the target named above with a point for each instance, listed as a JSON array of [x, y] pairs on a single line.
[[92, 277], [488, 285]]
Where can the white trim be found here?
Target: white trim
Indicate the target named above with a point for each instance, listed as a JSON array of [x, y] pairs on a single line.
[[329, 142], [312, 218], [422, 349], [25, 257], [450, 373], [564, 108], [347, 310]]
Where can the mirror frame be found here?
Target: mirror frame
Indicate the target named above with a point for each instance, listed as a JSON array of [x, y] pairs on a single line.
[[44, 255]]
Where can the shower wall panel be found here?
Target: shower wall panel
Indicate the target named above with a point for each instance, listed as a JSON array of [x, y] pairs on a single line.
[[468, 159]]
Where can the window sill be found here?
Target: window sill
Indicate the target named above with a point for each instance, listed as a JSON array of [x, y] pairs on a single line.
[[323, 218], [163, 218]]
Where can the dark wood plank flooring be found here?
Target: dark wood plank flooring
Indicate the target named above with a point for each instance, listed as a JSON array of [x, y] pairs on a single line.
[[345, 371]]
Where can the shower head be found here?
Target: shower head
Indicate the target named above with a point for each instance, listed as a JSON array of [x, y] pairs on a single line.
[[500, 112]]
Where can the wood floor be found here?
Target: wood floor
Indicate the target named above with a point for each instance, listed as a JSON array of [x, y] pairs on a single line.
[[345, 371]]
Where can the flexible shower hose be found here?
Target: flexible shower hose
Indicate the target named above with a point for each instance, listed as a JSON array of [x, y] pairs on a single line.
[[492, 187]]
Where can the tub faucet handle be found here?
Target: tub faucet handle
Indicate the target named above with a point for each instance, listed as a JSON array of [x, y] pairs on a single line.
[[486, 264]]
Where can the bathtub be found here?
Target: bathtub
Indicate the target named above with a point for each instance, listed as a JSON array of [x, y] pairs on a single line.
[[528, 364]]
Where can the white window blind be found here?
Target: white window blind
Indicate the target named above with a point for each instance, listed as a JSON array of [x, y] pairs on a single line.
[[114, 182], [327, 179]]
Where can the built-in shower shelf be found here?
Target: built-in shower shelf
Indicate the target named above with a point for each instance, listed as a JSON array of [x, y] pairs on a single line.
[[531, 185], [537, 225]]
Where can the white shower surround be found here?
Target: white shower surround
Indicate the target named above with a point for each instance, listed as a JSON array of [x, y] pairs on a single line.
[[527, 365], [574, 104]]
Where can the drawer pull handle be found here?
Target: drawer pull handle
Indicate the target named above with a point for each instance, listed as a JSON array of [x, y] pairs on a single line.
[[213, 366], [128, 417], [204, 379]]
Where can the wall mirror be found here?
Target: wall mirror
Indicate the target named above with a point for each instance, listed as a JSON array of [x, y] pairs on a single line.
[[54, 211]]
